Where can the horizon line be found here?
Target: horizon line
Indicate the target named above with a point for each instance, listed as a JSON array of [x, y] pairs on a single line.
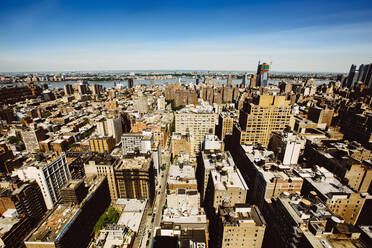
[[164, 70]]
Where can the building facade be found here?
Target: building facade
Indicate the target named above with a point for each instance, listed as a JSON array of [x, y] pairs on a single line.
[[260, 117], [50, 176]]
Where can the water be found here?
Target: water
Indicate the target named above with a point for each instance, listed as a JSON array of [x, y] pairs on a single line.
[[111, 84]]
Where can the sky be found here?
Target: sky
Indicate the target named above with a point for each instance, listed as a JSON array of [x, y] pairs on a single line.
[[73, 35]]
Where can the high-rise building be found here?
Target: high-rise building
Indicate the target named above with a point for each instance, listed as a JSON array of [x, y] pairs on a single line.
[[130, 83], [82, 87], [349, 83], [31, 139], [239, 226], [228, 94], [96, 89], [156, 158], [141, 104], [225, 185], [102, 165], [50, 176], [363, 74], [287, 225], [287, 147], [101, 144], [114, 128], [73, 191], [262, 74], [71, 225], [320, 115], [340, 199], [68, 89], [264, 174], [161, 104], [245, 80], [349, 163], [133, 143], [229, 80], [225, 124], [180, 143], [368, 77], [260, 117], [253, 82], [14, 230], [135, 178], [198, 122], [28, 200]]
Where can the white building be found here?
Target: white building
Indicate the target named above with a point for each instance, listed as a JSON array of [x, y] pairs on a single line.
[[211, 142], [50, 176], [114, 128], [184, 199], [136, 143], [141, 104], [30, 140], [156, 158], [110, 127], [287, 146], [198, 121], [161, 103]]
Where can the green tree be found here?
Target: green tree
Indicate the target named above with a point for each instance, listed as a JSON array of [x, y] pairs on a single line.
[[111, 216]]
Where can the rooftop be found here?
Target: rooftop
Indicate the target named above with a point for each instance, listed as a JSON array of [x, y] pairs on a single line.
[[6, 224], [72, 184], [183, 216], [186, 172], [325, 182], [241, 215], [132, 212], [134, 163], [53, 226], [228, 177]]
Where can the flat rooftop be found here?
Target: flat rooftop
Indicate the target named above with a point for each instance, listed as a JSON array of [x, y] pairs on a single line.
[[72, 184], [183, 216], [132, 213], [51, 229], [186, 172], [242, 215], [328, 186], [212, 160], [228, 177], [134, 163], [6, 224], [54, 225]]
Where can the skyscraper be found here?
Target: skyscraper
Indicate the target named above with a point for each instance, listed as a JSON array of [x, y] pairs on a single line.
[[68, 89], [350, 78], [262, 74], [367, 79], [229, 80], [245, 80], [130, 83]]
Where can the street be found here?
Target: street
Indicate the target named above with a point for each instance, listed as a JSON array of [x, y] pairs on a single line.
[[148, 226]]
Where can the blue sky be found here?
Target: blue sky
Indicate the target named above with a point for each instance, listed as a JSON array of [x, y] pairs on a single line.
[[326, 36]]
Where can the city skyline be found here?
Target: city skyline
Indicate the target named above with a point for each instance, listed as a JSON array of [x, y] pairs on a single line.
[[197, 35]]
